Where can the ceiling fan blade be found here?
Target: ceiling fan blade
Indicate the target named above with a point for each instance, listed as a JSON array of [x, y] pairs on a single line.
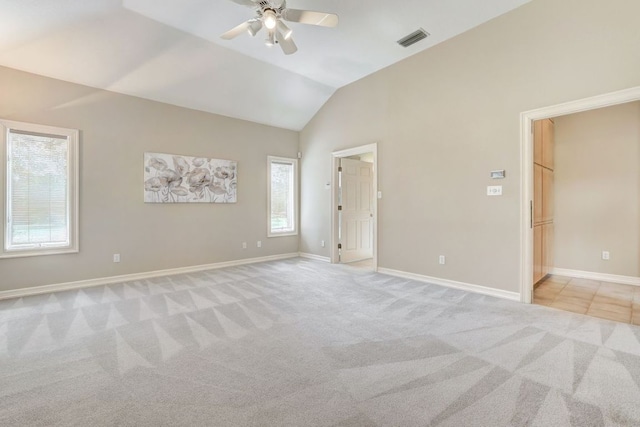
[[310, 17], [249, 3], [287, 45], [235, 32]]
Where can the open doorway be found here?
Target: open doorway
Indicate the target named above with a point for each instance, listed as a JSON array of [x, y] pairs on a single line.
[[587, 237], [531, 258], [354, 207]]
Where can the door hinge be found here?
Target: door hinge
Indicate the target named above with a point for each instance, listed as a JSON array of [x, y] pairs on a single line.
[[339, 207], [339, 245], [339, 168]]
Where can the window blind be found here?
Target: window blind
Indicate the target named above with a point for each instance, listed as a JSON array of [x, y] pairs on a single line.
[[38, 199]]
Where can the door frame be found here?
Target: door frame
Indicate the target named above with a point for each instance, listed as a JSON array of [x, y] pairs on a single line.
[[526, 169], [335, 157]]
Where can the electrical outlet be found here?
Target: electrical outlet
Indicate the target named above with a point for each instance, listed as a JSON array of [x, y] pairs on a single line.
[[259, 244], [605, 255], [494, 190], [244, 245], [322, 243], [441, 260], [116, 257]]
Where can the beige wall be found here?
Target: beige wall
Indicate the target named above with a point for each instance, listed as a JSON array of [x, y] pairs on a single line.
[[446, 117], [597, 190], [115, 132]]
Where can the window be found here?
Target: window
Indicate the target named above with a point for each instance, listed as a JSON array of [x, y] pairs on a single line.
[[40, 189], [283, 198]]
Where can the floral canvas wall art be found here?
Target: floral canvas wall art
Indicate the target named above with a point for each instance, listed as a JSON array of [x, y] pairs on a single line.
[[170, 178]]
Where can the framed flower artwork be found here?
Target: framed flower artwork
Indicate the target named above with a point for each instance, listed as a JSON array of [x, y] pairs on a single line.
[[170, 178]]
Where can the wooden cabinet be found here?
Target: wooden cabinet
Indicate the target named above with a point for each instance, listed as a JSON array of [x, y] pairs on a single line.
[[543, 139], [537, 253], [548, 136], [537, 142], [537, 193], [542, 251], [547, 244], [543, 232], [547, 195]]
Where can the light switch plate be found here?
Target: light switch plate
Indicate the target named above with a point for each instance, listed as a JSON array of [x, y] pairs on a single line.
[[494, 190]]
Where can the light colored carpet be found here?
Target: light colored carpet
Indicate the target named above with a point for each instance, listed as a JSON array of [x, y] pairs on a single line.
[[304, 343]]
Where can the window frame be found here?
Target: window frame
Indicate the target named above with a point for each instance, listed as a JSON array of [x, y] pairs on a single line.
[[294, 162], [73, 173]]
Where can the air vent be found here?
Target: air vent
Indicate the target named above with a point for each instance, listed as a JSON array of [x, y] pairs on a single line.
[[412, 38]]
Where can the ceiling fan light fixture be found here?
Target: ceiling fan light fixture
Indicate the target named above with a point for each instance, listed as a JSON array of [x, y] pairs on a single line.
[[285, 31], [271, 40], [270, 19], [254, 27]]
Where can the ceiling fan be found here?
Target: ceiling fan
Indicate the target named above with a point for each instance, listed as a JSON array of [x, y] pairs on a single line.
[[271, 15]]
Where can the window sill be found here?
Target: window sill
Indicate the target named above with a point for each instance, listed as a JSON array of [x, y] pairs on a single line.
[[44, 252], [290, 233]]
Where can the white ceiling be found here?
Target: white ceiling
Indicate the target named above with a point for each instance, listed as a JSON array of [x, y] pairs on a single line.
[[171, 51]]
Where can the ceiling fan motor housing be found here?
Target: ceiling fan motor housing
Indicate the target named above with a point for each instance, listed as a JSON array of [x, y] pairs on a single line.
[[264, 5]]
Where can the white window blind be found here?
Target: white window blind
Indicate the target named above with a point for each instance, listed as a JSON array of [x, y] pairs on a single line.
[[38, 202], [282, 196]]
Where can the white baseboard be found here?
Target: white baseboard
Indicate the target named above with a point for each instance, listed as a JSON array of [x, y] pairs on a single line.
[[17, 293], [601, 277], [315, 257], [513, 296]]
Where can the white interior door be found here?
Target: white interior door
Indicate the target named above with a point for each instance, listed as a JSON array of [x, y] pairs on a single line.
[[356, 214]]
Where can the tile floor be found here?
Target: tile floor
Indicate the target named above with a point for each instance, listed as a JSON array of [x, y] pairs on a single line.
[[365, 264], [606, 300]]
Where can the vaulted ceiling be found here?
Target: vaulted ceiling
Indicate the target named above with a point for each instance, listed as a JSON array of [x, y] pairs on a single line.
[[171, 50]]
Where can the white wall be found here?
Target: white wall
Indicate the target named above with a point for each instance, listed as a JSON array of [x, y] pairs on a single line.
[[446, 117], [115, 132], [597, 190]]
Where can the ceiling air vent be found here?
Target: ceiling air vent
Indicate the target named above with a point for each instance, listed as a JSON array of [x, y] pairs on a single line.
[[414, 37]]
